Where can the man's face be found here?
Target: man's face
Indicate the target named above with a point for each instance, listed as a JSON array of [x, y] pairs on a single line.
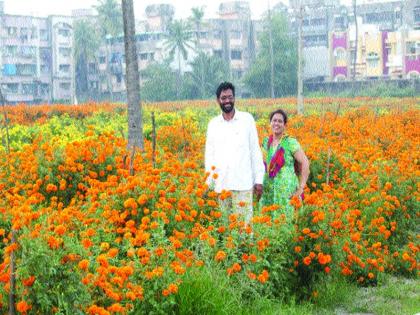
[[226, 101]]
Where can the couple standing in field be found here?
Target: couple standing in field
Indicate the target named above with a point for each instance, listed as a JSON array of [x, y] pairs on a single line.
[[236, 163]]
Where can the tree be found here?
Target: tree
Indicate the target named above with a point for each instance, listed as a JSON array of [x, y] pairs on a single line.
[[207, 72], [135, 126], [110, 17], [197, 20], [257, 79], [160, 83], [178, 40], [86, 43]]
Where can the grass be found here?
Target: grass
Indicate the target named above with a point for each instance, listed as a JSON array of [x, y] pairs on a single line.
[[206, 291]]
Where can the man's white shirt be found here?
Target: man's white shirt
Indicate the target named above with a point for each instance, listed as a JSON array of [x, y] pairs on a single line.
[[232, 147]]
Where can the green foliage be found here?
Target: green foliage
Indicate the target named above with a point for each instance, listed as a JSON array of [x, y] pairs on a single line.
[[319, 170], [57, 284], [110, 17], [207, 291], [257, 80], [86, 44], [207, 72], [160, 83]]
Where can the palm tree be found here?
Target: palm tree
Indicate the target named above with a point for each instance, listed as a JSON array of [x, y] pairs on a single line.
[[111, 25], [178, 39], [197, 19], [110, 17], [135, 127], [207, 72], [86, 43]]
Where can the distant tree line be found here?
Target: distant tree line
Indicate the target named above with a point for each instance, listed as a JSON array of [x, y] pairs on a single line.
[[162, 83]]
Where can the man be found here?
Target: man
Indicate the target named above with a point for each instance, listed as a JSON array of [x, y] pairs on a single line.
[[233, 156]]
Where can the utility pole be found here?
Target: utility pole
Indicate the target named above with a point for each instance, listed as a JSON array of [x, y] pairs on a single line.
[[270, 35], [301, 10], [356, 25]]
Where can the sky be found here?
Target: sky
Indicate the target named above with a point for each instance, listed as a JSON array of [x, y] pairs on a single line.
[[182, 7]]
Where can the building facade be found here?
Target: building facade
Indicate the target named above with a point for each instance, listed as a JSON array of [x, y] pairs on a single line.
[[36, 59]]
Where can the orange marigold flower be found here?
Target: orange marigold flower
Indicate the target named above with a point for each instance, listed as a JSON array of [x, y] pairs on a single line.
[[28, 281], [84, 264], [23, 307], [307, 260], [220, 255], [173, 288], [298, 249], [306, 231], [60, 229]]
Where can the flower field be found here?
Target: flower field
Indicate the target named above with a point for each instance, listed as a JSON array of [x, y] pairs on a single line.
[[83, 236]]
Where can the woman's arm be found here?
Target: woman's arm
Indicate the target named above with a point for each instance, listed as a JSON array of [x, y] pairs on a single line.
[[303, 162]]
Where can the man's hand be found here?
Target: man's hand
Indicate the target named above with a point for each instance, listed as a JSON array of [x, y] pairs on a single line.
[[258, 190]]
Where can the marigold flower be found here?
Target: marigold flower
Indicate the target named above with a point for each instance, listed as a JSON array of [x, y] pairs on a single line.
[[220, 255], [23, 306], [84, 264], [307, 260]]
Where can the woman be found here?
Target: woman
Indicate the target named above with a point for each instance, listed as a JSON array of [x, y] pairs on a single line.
[[282, 157]]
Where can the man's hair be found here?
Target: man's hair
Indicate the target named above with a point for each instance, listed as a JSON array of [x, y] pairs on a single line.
[[281, 112], [223, 87]]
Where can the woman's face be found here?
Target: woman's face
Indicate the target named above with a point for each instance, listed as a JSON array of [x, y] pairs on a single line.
[[277, 124]]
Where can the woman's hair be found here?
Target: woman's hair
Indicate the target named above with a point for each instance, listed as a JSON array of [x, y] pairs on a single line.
[[281, 112]]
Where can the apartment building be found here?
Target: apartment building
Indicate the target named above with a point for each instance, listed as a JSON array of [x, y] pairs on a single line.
[[231, 36], [36, 59]]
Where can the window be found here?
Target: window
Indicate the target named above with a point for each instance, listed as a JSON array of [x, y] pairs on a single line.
[[340, 56], [27, 51], [64, 68], [11, 88], [10, 51], [26, 69], [372, 59], [24, 34], [152, 56], [217, 53], [45, 55], [411, 48], [93, 68], [235, 35], [416, 13], [203, 35], [43, 35], [28, 88], [64, 32], [236, 55], [102, 60], [217, 34], [237, 74], [65, 86], [64, 51], [317, 22], [11, 31], [44, 89], [143, 56], [34, 33], [45, 69]]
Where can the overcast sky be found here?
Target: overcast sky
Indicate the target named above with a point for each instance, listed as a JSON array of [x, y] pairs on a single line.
[[64, 7], [182, 7]]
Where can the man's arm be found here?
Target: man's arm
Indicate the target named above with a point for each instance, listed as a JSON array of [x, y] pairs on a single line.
[[209, 150]]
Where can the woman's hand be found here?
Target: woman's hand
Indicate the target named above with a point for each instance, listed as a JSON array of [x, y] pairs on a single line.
[[298, 192]]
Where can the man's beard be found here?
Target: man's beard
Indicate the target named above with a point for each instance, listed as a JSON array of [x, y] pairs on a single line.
[[225, 109]]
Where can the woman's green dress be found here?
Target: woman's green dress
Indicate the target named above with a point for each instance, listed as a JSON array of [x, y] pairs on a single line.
[[279, 189]]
